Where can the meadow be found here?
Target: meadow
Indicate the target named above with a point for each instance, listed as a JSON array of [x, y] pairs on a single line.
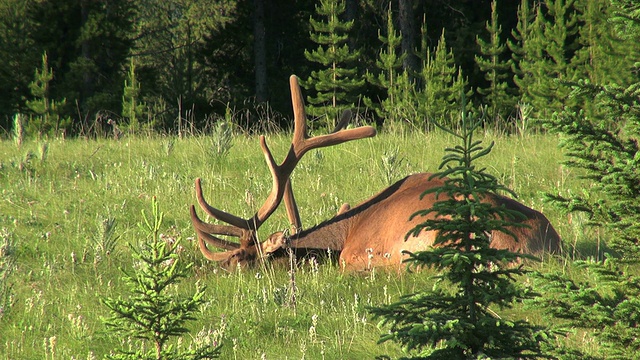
[[69, 209]]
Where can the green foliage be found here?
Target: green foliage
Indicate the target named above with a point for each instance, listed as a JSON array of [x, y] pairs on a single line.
[[16, 56], [495, 68], [132, 107], [336, 85], [18, 129], [105, 240], [46, 119], [154, 313], [608, 302], [457, 318], [608, 157], [520, 47], [221, 138], [443, 85], [390, 163], [546, 47], [390, 77], [603, 146], [600, 56], [169, 35]]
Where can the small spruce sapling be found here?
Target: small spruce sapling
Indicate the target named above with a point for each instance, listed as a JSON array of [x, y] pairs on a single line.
[[458, 319], [153, 313]]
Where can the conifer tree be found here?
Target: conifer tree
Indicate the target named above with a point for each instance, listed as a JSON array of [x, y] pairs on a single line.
[[605, 150], [46, 118], [132, 108], [389, 78], [600, 56], [152, 314], [548, 50], [443, 84], [522, 49], [495, 69], [399, 104], [336, 85], [456, 319]]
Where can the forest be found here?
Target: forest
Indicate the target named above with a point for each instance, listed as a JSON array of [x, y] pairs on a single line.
[[83, 67]]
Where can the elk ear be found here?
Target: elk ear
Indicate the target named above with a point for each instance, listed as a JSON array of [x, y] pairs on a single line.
[[275, 242]]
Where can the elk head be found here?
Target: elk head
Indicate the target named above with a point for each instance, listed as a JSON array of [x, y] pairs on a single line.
[[249, 248]]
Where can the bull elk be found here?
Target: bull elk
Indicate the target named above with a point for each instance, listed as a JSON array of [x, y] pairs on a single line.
[[371, 234]]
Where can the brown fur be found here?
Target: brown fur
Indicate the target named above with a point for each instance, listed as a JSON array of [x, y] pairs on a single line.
[[372, 234]]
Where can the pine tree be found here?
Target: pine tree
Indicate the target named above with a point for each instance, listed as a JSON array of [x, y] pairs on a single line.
[[522, 51], [132, 108], [336, 85], [456, 319], [152, 314], [46, 118], [495, 69], [548, 50], [87, 43], [443, 84], [600, 56], [604, 149], [389, 77]]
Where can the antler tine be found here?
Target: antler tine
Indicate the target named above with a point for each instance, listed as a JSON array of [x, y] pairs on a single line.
[[292, 209], [211, 255], [205, 230], [219, 214], [300, 144]]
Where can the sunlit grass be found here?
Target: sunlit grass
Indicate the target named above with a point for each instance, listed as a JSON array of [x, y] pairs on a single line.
[[54, 207]]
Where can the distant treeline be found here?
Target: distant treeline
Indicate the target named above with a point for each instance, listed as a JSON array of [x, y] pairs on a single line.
[[78, 67]]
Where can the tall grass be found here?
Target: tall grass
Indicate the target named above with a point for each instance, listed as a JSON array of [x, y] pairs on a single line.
[[72, 208]]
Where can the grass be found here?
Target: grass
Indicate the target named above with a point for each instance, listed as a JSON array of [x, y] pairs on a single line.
[[70, 207]]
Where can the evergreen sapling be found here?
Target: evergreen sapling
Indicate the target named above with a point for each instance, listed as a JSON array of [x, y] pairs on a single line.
[[152, 313], [458, 319]]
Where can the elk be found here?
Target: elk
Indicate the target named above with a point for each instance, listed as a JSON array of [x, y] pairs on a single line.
[[371, 234]]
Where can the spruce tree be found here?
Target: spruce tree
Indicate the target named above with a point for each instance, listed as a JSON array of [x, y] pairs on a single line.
[[153, 314], [457, 318], [548, 49], [600, 55], [336, 85], [46, 119], [389, 77], [604, 148], [495, 69], [132, 107], [443, 85], [522, 50]]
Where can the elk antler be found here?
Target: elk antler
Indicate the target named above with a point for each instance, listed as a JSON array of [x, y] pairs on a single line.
[[246, 229]]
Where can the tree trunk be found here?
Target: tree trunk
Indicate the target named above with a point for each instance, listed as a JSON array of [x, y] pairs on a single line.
[[408, 31], [260, 51]]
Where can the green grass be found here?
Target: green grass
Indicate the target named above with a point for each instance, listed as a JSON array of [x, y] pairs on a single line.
[[53, 207]]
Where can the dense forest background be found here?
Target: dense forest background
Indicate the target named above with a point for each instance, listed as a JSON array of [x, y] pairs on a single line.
[[82, 67]]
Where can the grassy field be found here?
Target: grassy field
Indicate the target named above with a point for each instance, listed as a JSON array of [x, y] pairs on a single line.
[[58, 198]]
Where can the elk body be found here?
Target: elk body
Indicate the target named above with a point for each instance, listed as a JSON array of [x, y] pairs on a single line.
[[371, 234]]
